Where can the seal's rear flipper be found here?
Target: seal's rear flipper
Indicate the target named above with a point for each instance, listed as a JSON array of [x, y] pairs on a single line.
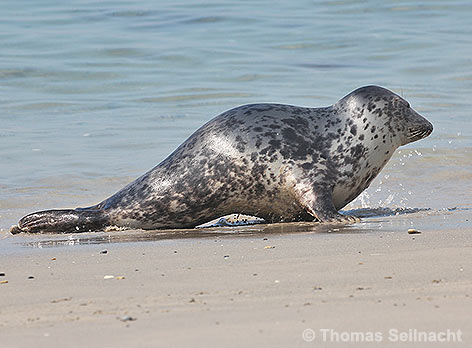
[[65, 221]]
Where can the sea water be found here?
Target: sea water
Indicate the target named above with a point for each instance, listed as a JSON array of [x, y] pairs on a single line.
[[95, 93]]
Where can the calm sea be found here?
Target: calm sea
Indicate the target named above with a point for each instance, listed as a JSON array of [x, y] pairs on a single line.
[[95, 93]]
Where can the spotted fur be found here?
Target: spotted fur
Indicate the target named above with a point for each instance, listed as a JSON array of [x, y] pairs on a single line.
[[278, 162]]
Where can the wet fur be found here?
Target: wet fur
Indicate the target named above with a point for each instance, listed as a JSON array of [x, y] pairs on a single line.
[[278, 162]]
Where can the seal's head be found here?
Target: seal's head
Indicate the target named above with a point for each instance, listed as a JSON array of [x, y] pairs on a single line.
[[384, 108]]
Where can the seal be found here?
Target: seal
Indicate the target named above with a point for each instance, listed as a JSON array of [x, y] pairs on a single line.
[[278, 162]]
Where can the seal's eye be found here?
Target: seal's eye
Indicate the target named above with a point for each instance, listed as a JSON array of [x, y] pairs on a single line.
[[401, 102]]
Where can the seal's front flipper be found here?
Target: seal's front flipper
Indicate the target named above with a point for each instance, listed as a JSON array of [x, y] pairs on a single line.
[[318, 201], [65, 221]]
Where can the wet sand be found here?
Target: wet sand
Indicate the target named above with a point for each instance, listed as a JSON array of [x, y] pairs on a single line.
[[258, 285]]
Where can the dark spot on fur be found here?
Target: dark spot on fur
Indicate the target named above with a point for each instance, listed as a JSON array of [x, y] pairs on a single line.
[[354, 130], [307, 165], [275, 143]]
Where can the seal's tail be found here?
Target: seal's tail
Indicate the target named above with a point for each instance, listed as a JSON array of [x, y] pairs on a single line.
[[65, 221]]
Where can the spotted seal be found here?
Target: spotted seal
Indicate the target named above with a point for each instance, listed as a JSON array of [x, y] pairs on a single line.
[[278, 162]]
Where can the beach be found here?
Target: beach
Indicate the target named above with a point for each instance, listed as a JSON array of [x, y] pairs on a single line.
[[95, 94], [259, 285]]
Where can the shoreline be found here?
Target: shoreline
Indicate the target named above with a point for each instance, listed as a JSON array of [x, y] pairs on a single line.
[[243, 288]]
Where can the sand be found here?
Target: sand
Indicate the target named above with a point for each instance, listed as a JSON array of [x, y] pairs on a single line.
[[260, 285]]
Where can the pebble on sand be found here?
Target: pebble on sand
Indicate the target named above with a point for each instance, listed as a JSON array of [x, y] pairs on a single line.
[[413, 231], [126, 318]]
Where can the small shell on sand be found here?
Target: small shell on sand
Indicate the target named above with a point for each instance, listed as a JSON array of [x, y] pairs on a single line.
[[413, 231], [126, 318]]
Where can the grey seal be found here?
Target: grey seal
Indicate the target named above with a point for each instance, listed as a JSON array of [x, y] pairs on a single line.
[[278, 162]]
